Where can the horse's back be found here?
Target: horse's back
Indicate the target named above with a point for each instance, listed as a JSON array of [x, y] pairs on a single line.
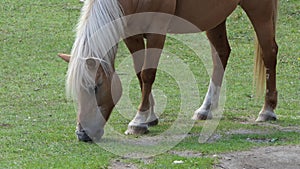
[[203, 14]]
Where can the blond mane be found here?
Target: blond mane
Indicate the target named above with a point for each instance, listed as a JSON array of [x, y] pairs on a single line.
[[96, 37]]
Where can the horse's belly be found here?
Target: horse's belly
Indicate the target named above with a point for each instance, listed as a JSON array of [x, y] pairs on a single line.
[[202, 15]]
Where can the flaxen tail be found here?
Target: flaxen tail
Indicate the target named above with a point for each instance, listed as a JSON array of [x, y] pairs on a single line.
[[259, 67]]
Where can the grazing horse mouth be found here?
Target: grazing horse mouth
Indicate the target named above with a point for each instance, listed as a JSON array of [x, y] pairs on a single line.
[[81, 134], [88, 132]]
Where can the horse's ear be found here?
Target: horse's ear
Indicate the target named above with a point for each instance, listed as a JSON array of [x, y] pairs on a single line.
[[92, 63], [65, 57]]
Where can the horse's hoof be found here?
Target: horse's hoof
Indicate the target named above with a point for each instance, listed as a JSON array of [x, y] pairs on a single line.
[[153, 123], [201, 116], [266, 116], [137, 129]]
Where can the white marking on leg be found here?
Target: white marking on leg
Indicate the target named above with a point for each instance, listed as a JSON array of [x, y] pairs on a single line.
[[140, 118], [152, 116], [143, 118], [211, 99]]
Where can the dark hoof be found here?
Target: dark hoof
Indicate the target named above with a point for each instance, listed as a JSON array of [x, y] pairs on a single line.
[[198, 116], [82, 136], [137, 130], [153, 123]]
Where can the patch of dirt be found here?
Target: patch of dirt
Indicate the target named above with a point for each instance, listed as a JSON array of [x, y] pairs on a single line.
[[276, 126], [246, 131], [147, 160], [279, 157], [118, 164], [186, 154], [5, 125], [217, 136]]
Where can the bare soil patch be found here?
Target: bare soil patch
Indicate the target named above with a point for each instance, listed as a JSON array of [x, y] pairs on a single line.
[[275, 126], [186, 153], [275, 157], [118, 164]]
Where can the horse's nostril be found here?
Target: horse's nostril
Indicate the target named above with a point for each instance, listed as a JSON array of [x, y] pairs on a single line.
[[96, 89], [82, 136]]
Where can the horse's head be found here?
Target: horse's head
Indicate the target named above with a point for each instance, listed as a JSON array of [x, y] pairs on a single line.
[[95, 103]]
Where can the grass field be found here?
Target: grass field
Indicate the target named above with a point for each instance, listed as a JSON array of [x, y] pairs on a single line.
[[37, 122]]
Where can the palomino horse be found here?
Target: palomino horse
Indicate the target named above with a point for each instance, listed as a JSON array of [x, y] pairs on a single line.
[[91, 77]]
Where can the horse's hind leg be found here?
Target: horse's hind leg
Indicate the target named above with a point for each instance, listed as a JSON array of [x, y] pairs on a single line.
[[262, 15], [146, 71], [220, 53]]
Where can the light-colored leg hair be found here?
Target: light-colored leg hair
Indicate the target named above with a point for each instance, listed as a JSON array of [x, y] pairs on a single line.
[[220, 53], [209, 104]]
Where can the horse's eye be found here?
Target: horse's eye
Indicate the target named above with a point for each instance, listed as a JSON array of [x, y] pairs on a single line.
[[98, 85]]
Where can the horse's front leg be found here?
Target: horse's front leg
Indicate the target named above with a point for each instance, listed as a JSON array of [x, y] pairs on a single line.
[[136, 47], [145, 115], [220, 54]]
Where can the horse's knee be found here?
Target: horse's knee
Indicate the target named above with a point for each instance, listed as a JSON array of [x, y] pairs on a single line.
[[148, 76], [270, 57], [223, 54]]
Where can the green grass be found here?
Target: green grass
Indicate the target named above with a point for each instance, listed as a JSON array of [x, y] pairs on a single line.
[[37, 123]]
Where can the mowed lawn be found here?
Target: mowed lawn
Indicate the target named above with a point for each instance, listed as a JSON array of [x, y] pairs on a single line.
[[37, 122]]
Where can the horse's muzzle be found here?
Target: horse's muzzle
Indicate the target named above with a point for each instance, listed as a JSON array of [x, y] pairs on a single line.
[[82, 136], [88, 136]]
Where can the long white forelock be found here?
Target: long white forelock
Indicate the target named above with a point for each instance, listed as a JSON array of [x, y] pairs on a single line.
[[96, 37]]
